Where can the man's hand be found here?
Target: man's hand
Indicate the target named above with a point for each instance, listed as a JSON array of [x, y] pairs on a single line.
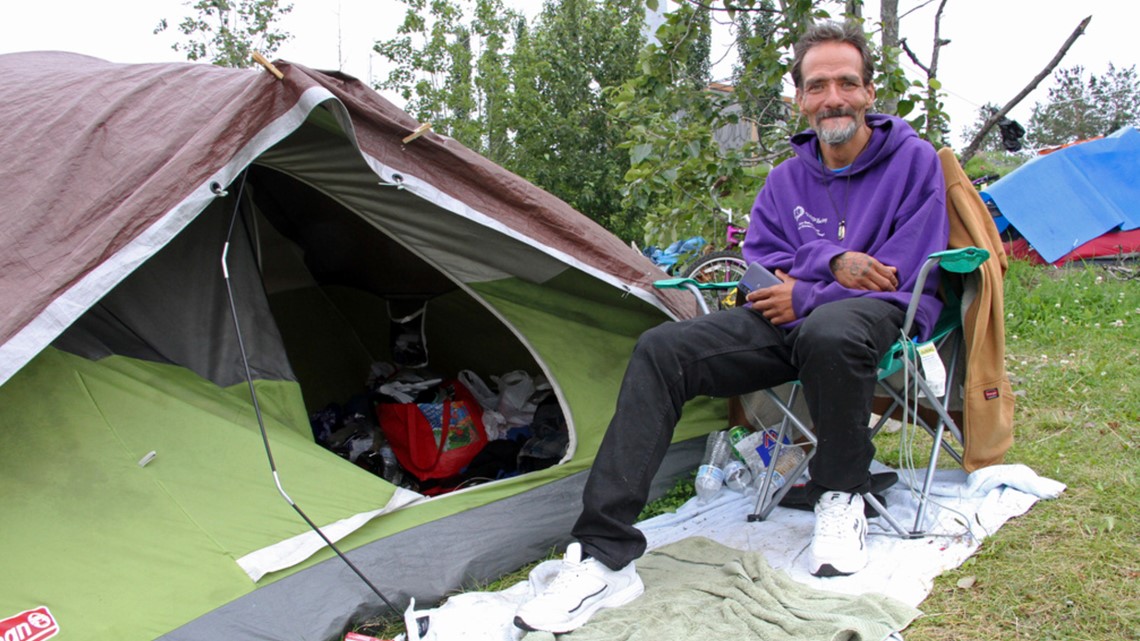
[[775, 302], [856, 270]]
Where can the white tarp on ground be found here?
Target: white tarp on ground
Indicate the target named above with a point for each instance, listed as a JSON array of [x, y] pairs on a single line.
[[967, 509]]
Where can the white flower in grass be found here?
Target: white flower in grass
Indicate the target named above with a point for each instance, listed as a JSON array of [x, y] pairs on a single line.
[[1118, 323]]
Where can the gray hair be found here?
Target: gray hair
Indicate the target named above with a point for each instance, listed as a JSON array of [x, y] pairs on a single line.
[[821, 32]]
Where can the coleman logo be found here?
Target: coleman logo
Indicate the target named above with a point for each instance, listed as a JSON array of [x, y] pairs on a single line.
[[29, 625]]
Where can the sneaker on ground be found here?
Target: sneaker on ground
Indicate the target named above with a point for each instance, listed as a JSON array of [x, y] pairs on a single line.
[[839, 546], [582, 587]]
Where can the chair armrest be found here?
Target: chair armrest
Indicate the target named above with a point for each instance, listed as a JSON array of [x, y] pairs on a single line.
[[694, 287], [959, 261], [685, 283]]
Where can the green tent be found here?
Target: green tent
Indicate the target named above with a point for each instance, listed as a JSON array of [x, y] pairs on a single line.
[[135, 198]]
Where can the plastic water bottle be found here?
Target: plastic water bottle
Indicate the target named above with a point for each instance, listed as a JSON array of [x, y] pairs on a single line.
[[737, 476], [392, 473], [748, 445], [710, 475], [790, 456]]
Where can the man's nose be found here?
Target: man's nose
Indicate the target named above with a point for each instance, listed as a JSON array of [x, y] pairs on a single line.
[[832, 94]]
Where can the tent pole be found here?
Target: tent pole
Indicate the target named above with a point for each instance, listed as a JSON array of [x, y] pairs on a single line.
[[217, 189]]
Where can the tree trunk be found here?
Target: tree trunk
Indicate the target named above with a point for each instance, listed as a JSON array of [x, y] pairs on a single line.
[[889, 16]]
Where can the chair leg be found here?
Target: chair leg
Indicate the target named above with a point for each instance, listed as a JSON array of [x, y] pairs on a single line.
[[941, 406], [918, 420], [886, 515], [764, 502], [944, 420]]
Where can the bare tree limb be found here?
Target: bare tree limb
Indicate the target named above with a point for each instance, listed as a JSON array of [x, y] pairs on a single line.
[[913, 57], [915, 9], [972, 148], [938, 41], [934, 117]]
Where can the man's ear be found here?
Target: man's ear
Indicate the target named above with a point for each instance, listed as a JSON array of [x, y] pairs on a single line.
[[870, 95]]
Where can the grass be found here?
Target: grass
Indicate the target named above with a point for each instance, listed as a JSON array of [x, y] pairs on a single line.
[[1069, 569]]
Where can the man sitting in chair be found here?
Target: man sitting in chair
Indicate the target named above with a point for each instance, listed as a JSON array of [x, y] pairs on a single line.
[[846, 224]]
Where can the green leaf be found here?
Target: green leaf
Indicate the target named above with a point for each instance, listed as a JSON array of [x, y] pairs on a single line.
[[640, 153]]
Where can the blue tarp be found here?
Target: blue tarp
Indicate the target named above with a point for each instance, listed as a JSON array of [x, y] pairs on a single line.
[[1073, 195]]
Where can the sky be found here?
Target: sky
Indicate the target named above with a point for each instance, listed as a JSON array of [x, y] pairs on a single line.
[[997, 46]]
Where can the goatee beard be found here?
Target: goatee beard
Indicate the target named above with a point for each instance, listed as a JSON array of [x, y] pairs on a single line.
[[837, 135]]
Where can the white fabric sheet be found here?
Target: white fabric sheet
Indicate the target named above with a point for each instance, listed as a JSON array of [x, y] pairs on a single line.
[[964, 510]]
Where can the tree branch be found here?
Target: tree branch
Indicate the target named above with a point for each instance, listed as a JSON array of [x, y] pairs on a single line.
[[938, 41], [915, 9], [730, 8], [972, 148], [913, 58]]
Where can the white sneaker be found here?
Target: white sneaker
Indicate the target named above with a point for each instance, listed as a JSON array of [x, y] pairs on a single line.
[[581, 588], [839, 546]]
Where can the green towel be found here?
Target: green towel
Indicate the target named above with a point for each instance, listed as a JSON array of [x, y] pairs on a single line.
[[698, 589]]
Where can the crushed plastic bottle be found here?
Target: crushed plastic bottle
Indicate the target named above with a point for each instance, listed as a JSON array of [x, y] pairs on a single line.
[[737, 476], [710, 475]]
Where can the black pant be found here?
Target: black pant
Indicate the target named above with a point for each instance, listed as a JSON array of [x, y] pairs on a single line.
[[834, 353]]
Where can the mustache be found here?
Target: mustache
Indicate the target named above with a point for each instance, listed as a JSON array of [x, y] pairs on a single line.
[[836, 113]]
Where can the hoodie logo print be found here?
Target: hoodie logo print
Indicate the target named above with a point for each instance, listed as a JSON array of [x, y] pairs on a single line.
[[805, 220]]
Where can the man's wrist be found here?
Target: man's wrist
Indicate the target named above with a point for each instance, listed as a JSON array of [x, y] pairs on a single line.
[[833, 264]]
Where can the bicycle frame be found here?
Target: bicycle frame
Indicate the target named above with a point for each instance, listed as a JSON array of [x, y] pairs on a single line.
[[734, 236]]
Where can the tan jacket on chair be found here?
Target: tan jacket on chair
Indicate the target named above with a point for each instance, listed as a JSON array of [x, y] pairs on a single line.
[[987, 397]]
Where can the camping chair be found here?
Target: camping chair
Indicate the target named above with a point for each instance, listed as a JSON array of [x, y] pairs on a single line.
[[905, 358], [971, 330]]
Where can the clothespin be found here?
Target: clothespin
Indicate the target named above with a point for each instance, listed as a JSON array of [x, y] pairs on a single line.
[[421, 130], [261, 60]]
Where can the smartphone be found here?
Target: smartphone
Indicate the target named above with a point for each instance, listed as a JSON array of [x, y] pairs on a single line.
[[756, 277]]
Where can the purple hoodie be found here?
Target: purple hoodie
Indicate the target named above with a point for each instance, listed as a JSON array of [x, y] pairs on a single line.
[[894, 197]]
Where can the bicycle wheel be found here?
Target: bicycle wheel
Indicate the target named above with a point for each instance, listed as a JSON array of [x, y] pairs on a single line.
[[725, 266]]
